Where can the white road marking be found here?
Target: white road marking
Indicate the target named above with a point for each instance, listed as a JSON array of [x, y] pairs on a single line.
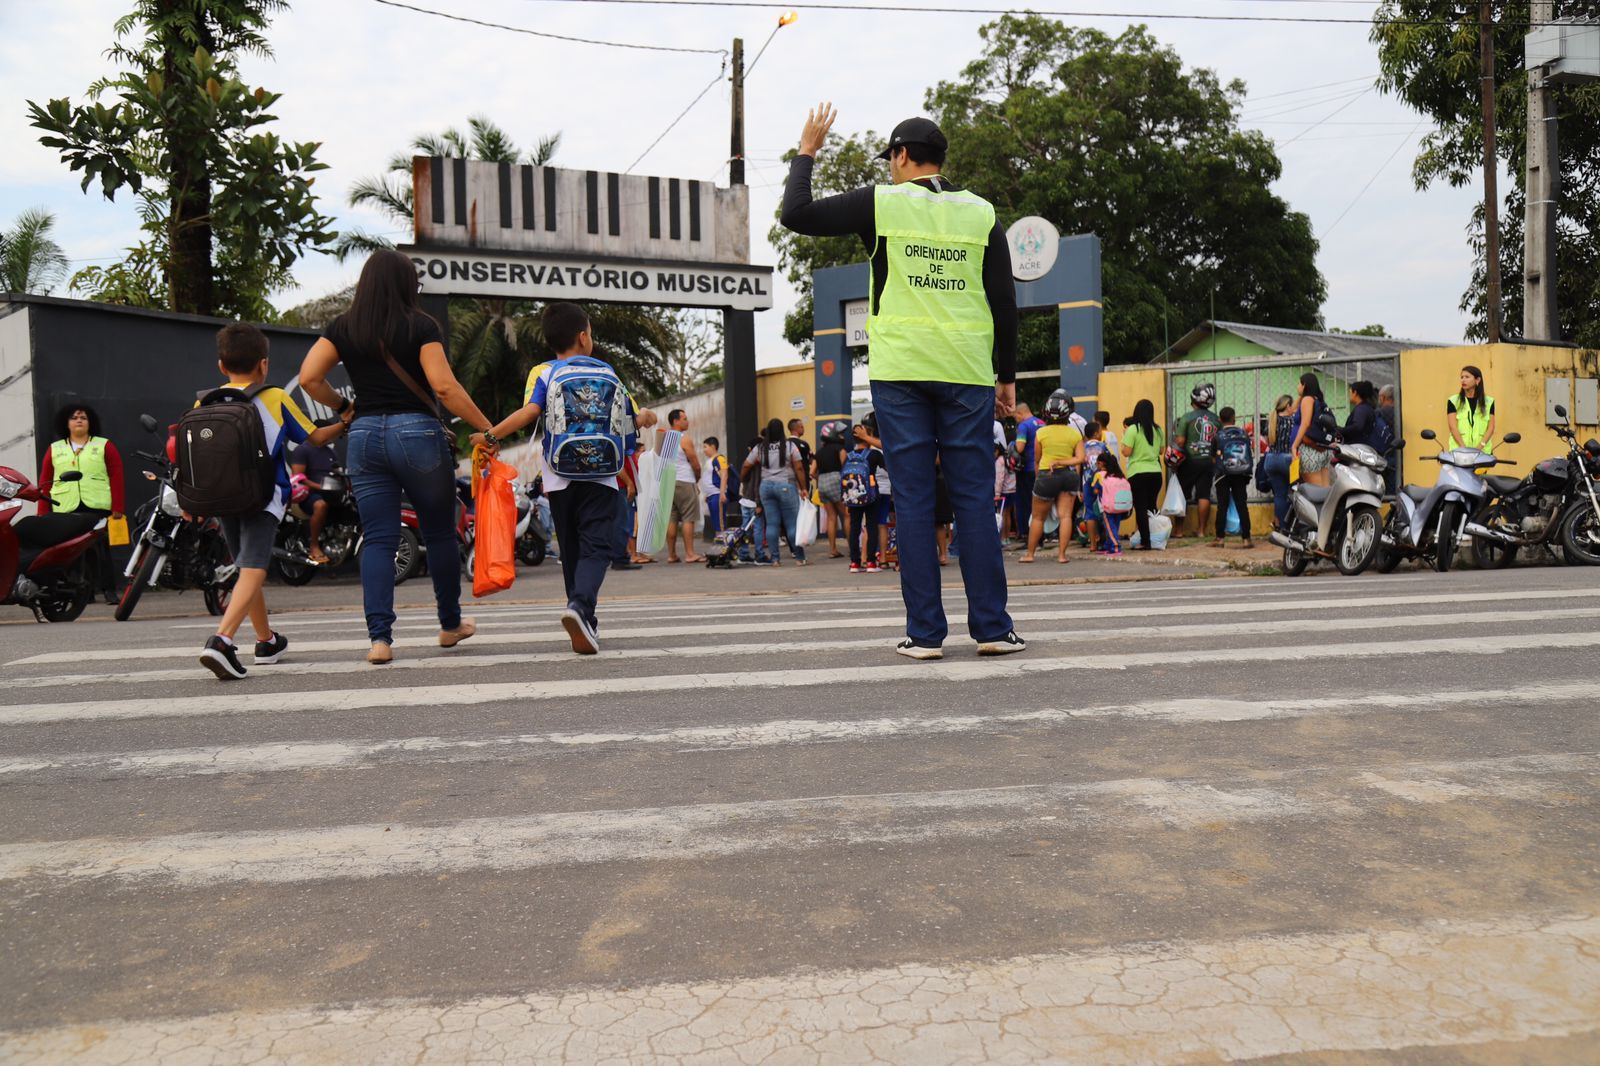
[[1507, 978], [944, 672], [689, 831], [369, 754], [295, 669], [892, 622]]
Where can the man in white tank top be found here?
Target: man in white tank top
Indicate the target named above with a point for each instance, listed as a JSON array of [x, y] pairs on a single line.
[[685, 493]]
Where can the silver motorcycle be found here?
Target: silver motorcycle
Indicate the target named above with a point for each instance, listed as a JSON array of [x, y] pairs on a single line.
[[1338, 521], [1429, 522]]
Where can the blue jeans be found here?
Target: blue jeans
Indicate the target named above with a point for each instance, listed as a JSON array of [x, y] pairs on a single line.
[[919, 420], [410, 453], [780, 500], [1277, 467], [758, 535]]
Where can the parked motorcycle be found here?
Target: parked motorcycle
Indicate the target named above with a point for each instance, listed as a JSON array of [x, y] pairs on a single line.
[[172, 551], [534, 528], [341, 533], [1556, 499], [1428, 522], [1339, 521], [47, 562]]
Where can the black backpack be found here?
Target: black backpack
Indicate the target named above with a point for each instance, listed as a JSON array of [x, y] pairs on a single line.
[[224, 465]]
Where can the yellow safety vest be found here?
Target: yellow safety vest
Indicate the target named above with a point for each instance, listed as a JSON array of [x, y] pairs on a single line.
[[1472, 421], [932, 320], [93, 491]]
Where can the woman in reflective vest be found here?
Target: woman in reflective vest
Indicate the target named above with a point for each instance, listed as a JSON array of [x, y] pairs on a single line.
[[79, 446], [1470, 413]]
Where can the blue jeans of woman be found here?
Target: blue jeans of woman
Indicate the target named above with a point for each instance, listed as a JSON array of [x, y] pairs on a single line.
[[780, 500], [411, 454], [1277, 466]]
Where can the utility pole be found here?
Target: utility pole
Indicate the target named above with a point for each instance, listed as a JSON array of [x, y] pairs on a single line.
[[738, 327], [1491, 194], [1540, 320]]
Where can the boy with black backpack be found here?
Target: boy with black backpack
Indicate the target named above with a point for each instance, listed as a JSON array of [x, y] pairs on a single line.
[[232, 457], [1235, 461], [587, 418]]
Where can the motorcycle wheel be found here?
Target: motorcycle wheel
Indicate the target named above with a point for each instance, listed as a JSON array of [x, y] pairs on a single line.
[[1444, 549], [531, 550], [148, 561], [292, 572], [1488, 553], [1295, 561], [1359, 545], [219, 596], [68, 602], [407, 555], [1580, 534]]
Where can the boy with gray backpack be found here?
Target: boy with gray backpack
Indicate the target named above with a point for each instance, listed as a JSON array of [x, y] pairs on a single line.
[[1235, 462]]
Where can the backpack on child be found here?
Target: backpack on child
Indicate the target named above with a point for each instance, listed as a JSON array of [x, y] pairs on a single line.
[[1233, 452], [1116, 495], [225, 468], [857, 486], [586, 420]]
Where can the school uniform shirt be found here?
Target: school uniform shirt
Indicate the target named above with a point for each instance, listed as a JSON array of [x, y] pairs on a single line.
[[713, 474], [284, 425]]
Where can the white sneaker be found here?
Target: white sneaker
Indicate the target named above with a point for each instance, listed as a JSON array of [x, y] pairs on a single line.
[[913, 650], [1009, 644]]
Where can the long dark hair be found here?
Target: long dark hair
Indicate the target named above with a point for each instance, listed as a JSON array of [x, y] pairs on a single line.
[[1109, 461], [385, 301], [63, 416], [1463, 400], [1364, 392], [1144, 417], [777, 439], [1312, 387]]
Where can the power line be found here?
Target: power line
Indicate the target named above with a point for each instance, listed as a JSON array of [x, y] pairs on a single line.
[[1309, 88], [1382, 167], [698, 96], [551, 36]]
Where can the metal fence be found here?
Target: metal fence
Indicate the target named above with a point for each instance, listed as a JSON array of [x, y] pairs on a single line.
[[1252, 386]]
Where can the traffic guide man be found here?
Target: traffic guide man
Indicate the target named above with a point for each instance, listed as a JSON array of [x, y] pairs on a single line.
[[943, 330]]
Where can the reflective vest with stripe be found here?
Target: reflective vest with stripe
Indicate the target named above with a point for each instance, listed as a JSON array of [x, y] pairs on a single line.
[[93, 491], [1472, 422], [932, 319]]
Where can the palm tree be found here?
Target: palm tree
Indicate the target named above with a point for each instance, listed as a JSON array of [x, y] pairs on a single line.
[[29, 260]]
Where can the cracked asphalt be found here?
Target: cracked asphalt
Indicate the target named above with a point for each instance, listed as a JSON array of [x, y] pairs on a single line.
[[1318, 821]]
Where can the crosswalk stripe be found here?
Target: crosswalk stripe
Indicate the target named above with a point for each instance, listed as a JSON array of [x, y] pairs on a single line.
[[896, 621], [282, 756], [721, 829], [947, 671], [1098, 634], [1505, 978]]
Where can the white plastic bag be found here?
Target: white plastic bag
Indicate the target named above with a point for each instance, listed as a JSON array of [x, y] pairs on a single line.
[[805, 525], [1173, 505], [1160, 532], [658, 469]]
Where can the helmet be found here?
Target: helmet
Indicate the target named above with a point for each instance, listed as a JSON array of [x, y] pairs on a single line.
[[1204, 395], [1174, 457], [1059, 407]]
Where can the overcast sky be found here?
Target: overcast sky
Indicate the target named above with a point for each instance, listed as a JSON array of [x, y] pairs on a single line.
[[364, 78]]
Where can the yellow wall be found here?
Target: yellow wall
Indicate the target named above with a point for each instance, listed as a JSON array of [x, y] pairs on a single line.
[[1513, 374], [778, 387]]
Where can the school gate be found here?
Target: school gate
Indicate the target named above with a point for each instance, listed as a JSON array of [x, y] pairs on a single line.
[[525, 232]]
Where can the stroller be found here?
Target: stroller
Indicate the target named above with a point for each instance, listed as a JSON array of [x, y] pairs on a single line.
[[724, 553]]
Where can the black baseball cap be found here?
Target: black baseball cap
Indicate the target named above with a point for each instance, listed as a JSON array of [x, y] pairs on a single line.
[[915, 131]]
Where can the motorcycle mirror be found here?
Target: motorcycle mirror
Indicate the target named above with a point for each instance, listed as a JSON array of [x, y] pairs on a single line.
[[148, 423], [1429, 434], [71, 475], [1512, 438], [1561, 412]]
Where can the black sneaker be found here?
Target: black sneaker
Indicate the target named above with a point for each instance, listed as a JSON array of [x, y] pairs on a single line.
[[270, 651], [912, 650], [630, 565], [584, 639], [222, 659], [1009, 644]]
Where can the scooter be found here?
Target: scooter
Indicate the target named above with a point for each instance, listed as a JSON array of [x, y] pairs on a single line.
[[1555, 503], [1428, 522], [46, 561], [534, 528], [1339, 521], [173, 551]]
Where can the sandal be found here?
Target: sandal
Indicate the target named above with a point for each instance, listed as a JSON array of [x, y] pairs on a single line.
[[1024, 558]]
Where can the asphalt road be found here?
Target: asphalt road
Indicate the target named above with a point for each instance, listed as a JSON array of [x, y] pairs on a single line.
[[1325, 820]]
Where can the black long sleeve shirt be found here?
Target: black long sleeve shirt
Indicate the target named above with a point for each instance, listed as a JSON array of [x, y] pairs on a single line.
[[855, 212], [1358, 427]]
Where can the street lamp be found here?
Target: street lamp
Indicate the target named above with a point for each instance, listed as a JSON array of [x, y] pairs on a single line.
[[785, 19]]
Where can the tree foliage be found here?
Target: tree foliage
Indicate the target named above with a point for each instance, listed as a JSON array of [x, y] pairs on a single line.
[[226, 205], [30, 260], [1433, 65], [1112, 136]]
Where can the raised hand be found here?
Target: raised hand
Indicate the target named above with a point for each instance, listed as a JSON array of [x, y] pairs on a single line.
[[819, 120]]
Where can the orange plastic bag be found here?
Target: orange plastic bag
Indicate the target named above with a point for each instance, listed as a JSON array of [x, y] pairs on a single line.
[[494, 563]]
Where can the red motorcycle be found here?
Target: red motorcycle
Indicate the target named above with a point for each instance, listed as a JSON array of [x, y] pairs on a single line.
[[47, 562]]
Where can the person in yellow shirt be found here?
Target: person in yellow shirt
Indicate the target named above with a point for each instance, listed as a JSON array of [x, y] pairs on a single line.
[[1059, 458]]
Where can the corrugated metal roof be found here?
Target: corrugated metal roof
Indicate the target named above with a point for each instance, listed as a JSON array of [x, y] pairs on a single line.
[[1296, 341]]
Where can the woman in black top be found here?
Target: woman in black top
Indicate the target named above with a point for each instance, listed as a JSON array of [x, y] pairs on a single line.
[[394, 354]]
